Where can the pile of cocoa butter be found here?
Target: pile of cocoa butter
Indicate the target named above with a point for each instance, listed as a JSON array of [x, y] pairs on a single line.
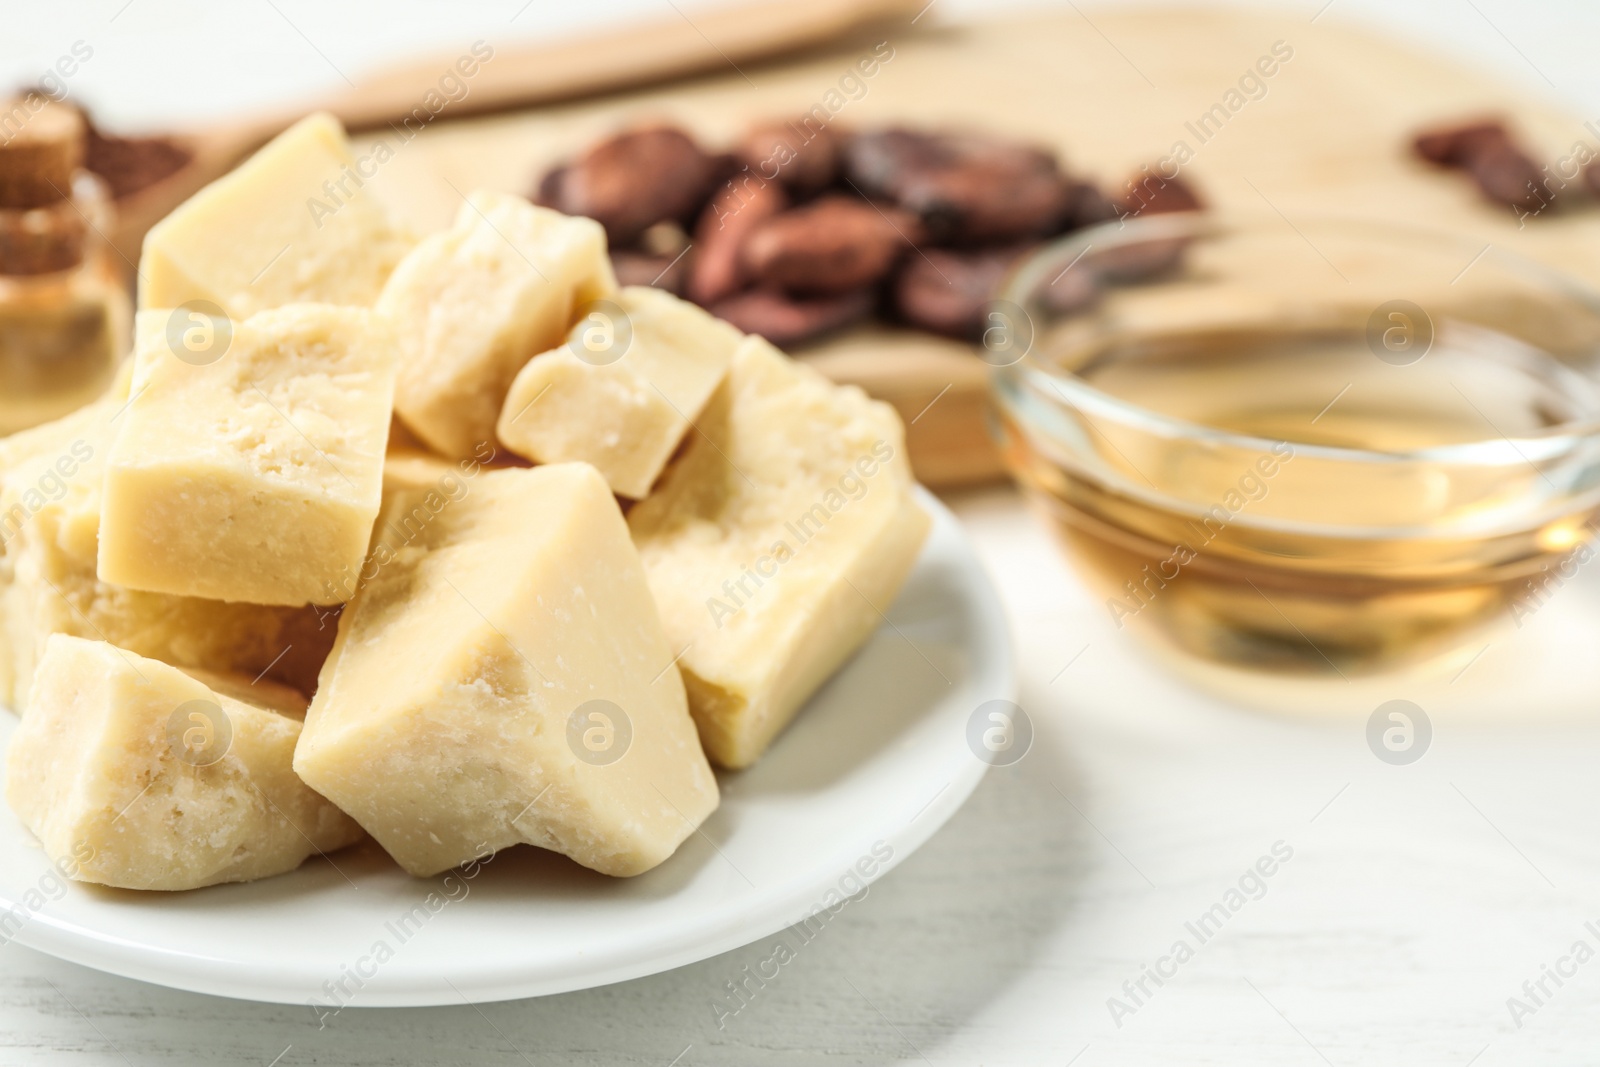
[[800, 230]]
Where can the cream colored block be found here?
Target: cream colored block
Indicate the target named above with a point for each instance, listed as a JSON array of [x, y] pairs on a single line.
[[293, 224], [622, 391], [775, 542], [502, 678], [147, 778], [476, 302], [406, 467], [255, 477], [49, 528]]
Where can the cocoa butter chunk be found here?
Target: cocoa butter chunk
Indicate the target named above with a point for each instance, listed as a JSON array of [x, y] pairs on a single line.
[[623, 390], [947, 291], [473, 303], [790, 320], [293, 224], [51, 487], [148, 777], [634, 180], [964, 187], [802, 156], [832, 245], [504, 678], [733, 214], [759, 487], [255, 477]]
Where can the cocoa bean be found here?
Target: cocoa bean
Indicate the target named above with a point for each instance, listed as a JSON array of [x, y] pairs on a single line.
[[947, 291], [1139, 260], [1152, 194], [787, 320], [547, 193], [876, 162], [1507, 176], [634, 180], [964, 187], [1486, 150], [1071, 291], [725, 224], [1456, 145], [831, 245], [1088, 206], [642, 268], [804, 158], [987, 200]]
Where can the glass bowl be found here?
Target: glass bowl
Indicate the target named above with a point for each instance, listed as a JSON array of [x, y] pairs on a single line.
[[1325, 445]]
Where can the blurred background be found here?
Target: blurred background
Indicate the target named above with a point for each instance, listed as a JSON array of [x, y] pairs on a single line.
[[162, 63]]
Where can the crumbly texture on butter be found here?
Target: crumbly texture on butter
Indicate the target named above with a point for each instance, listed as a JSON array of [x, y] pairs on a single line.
[[50, 496], [134, 774], [458, 712], [623, 390], [293, 224], [476, 302], [775, 543], [255, 477]]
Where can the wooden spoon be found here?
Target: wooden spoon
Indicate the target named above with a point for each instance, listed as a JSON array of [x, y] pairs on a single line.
[[642, 53]]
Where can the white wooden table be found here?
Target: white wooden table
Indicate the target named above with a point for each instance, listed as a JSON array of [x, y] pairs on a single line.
[[1414, 902]]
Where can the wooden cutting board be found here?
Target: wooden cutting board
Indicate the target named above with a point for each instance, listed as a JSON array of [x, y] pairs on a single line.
[[1326, 134]]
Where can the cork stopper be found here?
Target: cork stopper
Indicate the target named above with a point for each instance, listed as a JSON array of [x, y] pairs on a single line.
[[41, 145]]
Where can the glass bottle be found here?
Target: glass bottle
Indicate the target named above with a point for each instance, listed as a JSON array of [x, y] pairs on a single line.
[[64, 313]]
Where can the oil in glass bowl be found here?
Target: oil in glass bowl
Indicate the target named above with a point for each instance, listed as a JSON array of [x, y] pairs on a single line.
[[1335, 483]]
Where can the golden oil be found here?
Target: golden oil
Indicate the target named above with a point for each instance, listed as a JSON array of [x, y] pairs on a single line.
[[1293, 500]]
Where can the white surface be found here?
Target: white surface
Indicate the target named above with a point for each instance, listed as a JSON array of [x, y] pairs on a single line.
[[188, 62], [1413, 908], [876, 764]]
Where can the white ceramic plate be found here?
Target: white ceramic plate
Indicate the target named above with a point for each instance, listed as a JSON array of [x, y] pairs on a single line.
[[874, 765]]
